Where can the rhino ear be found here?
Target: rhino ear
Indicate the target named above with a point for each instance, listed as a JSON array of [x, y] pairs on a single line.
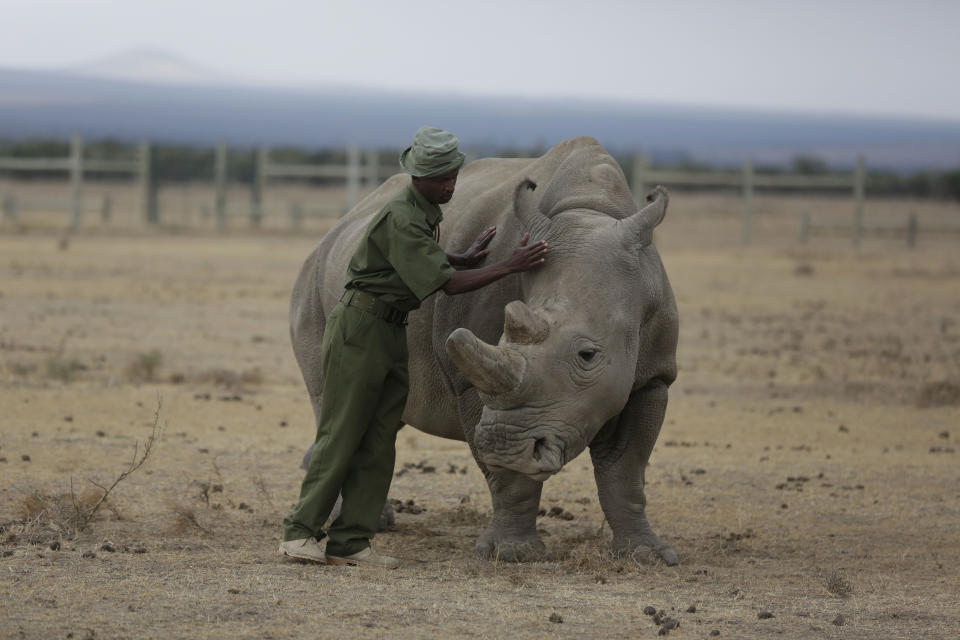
[[638, 228], [526, 209]]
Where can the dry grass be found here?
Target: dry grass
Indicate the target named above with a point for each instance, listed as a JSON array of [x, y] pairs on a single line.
[[806, 466]]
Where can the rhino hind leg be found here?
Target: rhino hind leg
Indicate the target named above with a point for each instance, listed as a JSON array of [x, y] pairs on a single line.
[[511, 535], [620, 454]]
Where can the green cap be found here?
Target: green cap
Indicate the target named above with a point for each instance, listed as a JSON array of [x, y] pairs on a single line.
[[433, 153]]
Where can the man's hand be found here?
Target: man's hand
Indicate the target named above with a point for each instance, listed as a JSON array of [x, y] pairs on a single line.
[[527, 257], [477, 251], [524, 258]]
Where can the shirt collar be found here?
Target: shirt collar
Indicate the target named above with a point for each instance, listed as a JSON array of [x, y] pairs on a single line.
[[432, 211]]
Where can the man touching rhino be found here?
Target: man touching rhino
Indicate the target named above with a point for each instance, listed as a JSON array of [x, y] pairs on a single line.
[[397, 265]]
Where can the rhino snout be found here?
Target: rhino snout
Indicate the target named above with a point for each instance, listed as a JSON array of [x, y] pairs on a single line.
[[505, 446]]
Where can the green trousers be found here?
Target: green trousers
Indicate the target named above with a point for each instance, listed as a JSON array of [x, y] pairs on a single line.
[[364, 361]]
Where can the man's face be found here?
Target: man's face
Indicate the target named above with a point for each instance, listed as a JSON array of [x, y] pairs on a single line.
[[439, 189]]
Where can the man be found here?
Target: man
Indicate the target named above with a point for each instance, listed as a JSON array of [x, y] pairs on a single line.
[[397, 265]]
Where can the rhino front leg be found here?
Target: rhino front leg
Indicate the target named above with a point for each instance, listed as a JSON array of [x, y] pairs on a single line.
[[511, 535], [620, 453]]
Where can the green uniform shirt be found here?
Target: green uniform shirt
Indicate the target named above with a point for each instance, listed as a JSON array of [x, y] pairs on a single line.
[[398, 260]]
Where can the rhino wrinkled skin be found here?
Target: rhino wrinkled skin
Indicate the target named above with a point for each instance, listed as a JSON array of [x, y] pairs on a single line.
[[538, 366]]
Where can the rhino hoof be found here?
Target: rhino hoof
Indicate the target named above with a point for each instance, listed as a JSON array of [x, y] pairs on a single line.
[[669, 556], [523, 550]]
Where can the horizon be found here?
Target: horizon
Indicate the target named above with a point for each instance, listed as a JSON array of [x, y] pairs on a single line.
[[819, 59]]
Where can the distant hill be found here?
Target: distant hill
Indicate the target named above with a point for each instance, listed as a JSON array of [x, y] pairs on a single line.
[[174, 102]]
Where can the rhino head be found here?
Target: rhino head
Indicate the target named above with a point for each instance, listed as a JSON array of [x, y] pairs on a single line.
[[572, 352]]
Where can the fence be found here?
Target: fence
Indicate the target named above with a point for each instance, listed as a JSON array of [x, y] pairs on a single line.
[[748, 181], [364, 170], [75, 165]]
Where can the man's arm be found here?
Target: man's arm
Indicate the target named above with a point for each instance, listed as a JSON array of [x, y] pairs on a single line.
[[523, 259]]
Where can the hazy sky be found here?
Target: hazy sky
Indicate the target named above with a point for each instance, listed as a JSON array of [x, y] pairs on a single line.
[[841, 56]]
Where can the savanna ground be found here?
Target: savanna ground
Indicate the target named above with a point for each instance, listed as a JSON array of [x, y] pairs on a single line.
[[807, 467]]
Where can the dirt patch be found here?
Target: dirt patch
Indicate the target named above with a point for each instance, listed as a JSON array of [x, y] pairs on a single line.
[[805, 468]]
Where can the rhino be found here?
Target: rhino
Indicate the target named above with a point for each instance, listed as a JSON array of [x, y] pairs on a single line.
[[538, 366]]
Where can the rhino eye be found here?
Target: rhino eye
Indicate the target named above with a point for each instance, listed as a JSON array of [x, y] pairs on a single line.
[[587, 354]]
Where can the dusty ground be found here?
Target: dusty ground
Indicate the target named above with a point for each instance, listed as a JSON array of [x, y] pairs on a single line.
[[807, 468]]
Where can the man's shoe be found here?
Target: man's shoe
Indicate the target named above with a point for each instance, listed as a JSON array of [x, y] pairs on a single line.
[[304, 549], [366, 558]]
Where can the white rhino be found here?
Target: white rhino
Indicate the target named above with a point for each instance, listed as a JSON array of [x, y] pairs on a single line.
[[585, 344]]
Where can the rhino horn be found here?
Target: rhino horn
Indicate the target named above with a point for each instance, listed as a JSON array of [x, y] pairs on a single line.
[[492, 370], [638, 228], [527, 211], [522, 326]]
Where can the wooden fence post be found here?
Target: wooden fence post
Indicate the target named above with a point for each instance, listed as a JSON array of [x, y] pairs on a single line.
[[10, 208], [804, 228], [148, 191], [353, 176], [373, 170], [259, 183], [296, 215], [641, 164], [220, 184], [859, 178], [106, 209], [912, 230], [746, 228], [76, 180]]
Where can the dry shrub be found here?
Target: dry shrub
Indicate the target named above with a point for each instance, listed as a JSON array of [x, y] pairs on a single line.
[[229, 379], [21, 369], [46, 516], [143, 367], [943, 393], [64, 369], [187, 519], [838, 585]]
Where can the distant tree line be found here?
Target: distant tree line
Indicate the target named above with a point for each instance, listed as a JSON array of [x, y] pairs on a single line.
[[172, 163]]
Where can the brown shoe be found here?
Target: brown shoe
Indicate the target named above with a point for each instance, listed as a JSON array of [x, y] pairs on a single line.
[[304, 549], [366, 558]]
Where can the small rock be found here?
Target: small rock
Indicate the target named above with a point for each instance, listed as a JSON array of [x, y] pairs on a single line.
[[221, 428], [764, 615], [283, 423], [89, 554], [6, 554], [839, 620], [139, 549], [668, 625], [68, 418], [25, 458], [101, 433], [428, 469], [556, 618], [843, 429], [106, 546], [600, 579], [649, 611], [55, 545], [232, 590], [715, 632], [35, 434], [659, 618], [945, 435], [3, 459], [692, 608], [555, 511], [566, 515]]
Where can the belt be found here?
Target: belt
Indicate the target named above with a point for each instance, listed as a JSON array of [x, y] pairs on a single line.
[[373, 305]]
